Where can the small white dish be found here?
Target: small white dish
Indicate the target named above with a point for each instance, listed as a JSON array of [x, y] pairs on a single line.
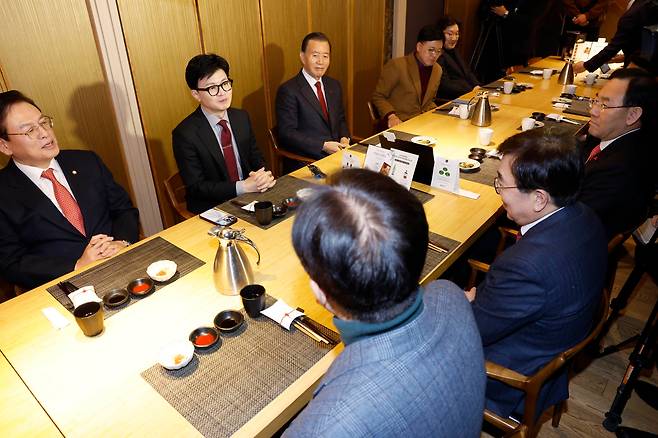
[[469, 165], [539, 124], [305, 193], [425, 140], [162, 270], [176, 355]]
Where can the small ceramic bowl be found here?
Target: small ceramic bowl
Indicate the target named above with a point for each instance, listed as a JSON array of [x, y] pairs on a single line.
[[292, 202], [477, 157], [115, 297], [162, 270], [469, 165], [305, 193], [478, 151], [204, 337], [228, 321], [279, 210], [176, 355], [141, 287]]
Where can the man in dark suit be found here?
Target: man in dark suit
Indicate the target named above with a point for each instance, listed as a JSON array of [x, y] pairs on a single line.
[[540, 295], [412, 363], [309, 107], [59, 210], [619, 171], [215, 147]]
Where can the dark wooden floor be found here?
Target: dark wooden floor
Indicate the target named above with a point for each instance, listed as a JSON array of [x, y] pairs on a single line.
[[593, 389]]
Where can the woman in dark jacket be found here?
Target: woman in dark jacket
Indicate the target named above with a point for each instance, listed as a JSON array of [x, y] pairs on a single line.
[[457, 76]]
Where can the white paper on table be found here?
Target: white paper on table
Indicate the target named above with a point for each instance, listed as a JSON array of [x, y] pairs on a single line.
[[454, 111], [403, 167], [494, 153], [214, 215], [388, 135], [57, 320], [645, 231], [85, 294], [378, 159], [282, 314], [468, 194], [351, 161], [445, 174], [250, 207]]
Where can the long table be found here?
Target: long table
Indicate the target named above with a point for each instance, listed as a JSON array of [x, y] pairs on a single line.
[[74, 385]]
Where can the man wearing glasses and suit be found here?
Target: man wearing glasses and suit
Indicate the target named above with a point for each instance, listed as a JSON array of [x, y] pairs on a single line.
[[59, 210], [215, 147]]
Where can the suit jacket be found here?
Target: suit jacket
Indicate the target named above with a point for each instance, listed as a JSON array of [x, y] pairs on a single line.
[[398, 89], [302, 127], [628, 36], [201, 162], [593, 9], [619, 182], [457, 77], [37, 243], [538, 299], [423, 378]]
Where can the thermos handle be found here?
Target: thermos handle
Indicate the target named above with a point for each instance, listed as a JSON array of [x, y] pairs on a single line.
[[249, 242]]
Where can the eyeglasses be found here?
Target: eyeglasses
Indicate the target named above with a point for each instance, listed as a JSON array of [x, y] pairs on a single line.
[[213, 90], [46, 122], [434, 52], [498, 187], [596, 102]]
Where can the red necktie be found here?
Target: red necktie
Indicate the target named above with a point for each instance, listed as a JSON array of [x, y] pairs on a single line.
[[518, 236], [594, 153], [323, 104], [66, 202], [227, 150]]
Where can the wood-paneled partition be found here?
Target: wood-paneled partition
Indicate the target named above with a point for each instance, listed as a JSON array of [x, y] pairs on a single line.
[[261, 40], [48, 52]]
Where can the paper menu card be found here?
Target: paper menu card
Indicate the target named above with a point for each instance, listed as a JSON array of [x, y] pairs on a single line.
[[403, 167], [350, 160], [446, 174], [378, 159], [586, 50]]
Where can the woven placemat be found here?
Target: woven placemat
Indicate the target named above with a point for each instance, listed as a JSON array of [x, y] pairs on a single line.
[[222, 389], [285, 187], [118, 271], [485, 174], [434, 258]]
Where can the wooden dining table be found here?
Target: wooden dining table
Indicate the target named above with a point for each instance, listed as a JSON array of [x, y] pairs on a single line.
[[59, 382]]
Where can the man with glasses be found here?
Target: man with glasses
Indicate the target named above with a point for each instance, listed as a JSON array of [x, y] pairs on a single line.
[[59, 210], [540, 295], [309, 106], [619, 170], [407, 85], [215, 147]]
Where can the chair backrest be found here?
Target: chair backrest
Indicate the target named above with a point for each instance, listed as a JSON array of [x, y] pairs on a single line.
[[176, 194], [279, 153], [374, 118]]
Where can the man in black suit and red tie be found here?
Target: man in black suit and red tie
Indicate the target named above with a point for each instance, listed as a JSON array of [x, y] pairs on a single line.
[[59, 210], [215, 147], [620, 169], [309, 107]]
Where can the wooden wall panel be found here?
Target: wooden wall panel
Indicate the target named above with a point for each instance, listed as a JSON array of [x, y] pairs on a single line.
[[465, 11], [48, 52], [285, 22], [160, 40], [368, 20], [239, 41]]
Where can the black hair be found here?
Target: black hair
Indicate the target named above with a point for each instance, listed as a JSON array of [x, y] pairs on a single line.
[[547, 159], [202, 66], [315, 36], [430, 32], [447, 21], [642, 91], [363, 240], [7, 100]]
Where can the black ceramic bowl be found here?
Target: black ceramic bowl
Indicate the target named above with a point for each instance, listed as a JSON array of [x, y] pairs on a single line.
[[115, 297], [476, 157], [478, 151], [279, 210], [141, 287], [228, 321], [204, 337], [292, 203]]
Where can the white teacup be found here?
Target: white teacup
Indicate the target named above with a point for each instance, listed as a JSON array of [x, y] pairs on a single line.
[[463, 111], [590, 78], [508, 86], [527, 123], [570, 89], [548, 72], [484, 135]]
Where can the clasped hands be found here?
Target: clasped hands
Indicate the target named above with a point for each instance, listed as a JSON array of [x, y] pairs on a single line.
[[100, 247], [258, 181], [334, 146]]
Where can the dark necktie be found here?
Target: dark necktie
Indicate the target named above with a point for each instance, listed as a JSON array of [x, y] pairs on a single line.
[[227, 150], [66, 201], [323, 103], [594, 153]]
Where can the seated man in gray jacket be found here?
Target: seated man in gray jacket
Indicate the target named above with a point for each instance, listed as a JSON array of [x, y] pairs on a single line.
[[412, 363]]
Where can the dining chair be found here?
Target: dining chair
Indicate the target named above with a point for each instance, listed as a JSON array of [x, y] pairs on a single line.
[[175, 189], [279, 154], [532, 385], [375, 120]]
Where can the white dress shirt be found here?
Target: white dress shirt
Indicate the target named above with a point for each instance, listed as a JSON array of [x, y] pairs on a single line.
[[311, 81]]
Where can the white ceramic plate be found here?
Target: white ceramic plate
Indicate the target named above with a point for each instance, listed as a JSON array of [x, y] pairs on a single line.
[[176, 355], [469, 165], [162, 270], [424, 140]]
